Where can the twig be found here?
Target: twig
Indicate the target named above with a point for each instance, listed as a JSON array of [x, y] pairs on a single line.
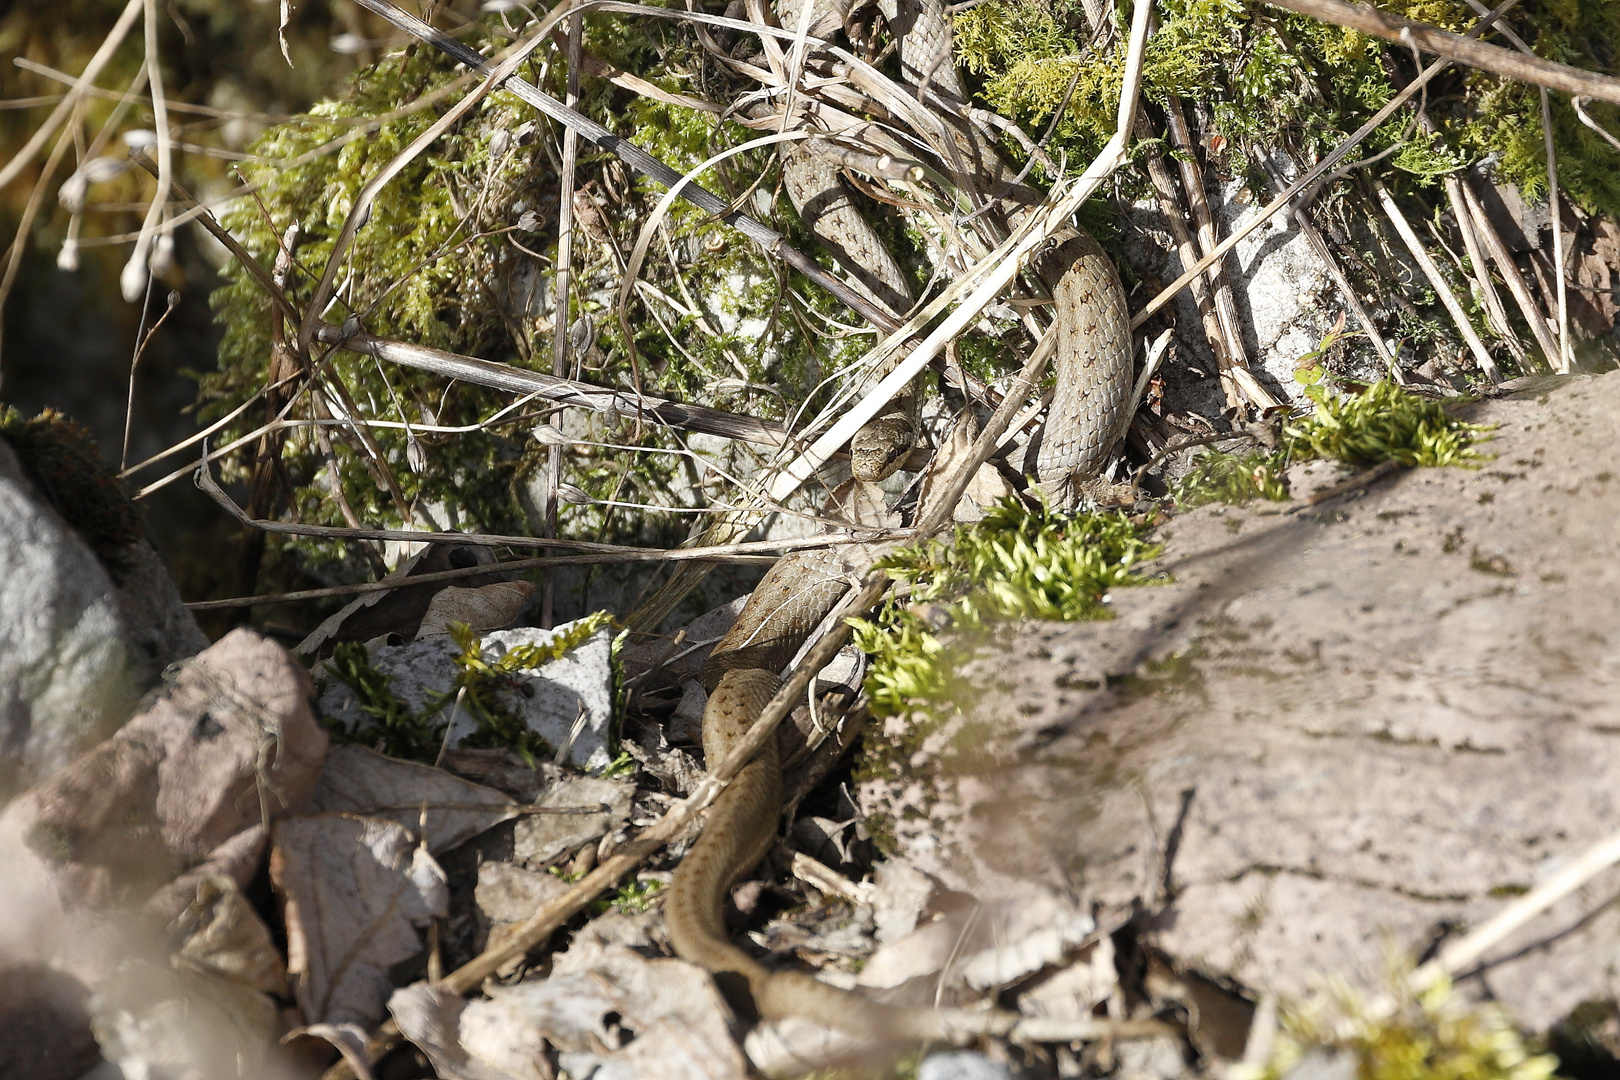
[[1315, 173], [544, 561], [134, 362], [1586, 118], [1482, 356], [1165, 186], [1463, 50], [1511, 275], [1192, 183], [1457, 956], [1313, 237], [560, 325], [206, 482], [81, 86], [565, 391], [1495, 313]]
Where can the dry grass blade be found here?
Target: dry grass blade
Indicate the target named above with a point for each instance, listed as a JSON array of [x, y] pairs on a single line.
[[81, 86], [1482, 356], [137, 271], [1315, 173]]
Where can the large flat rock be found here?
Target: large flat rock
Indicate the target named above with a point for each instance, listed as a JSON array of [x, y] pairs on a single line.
[[1341, 729]]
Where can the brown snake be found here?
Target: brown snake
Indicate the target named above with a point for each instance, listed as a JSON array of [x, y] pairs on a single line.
[[1093, 367]]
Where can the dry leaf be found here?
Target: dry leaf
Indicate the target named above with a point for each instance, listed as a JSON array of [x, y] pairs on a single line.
[[431, 1018], [225, 935], [986, 486], [611, 1013], [587, 808], [353, 890], [486, 608], [361, 781]]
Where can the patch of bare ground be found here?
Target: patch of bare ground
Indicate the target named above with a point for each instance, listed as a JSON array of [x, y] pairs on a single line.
[[1337, 731]]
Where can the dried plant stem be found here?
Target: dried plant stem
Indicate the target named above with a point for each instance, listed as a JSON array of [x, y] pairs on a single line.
[[1482, 356], [1495, 313], [560, 308], [1509, 270], [1315, 173], [1566, 348], [1455, 47], [81, 86], [511, 565], [1192, 182], [1347, 289], [1170, 204]]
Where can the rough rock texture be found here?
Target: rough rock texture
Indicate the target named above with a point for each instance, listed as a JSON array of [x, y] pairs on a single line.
[[76, 650], [229, 743], [1340, 729]]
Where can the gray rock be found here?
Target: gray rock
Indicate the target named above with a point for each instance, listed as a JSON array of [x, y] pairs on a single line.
[[961, 1065], [77, 651], [568, 702], [1333, 733]]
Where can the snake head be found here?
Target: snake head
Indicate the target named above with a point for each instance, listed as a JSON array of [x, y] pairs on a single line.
[[878, 449]]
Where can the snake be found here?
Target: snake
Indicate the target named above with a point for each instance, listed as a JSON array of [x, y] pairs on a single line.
[[1086, 419]]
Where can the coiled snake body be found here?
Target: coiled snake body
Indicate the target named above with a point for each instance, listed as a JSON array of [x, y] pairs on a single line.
[[1093, 368]]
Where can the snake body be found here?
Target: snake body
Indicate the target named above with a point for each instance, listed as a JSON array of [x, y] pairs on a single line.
[[1093, 370]]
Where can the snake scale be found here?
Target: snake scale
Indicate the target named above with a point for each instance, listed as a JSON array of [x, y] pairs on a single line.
[[1093, 369]]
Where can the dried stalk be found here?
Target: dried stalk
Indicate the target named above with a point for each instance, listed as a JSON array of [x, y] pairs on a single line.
[[1509, 270], [1312, 175], [1192, 182], [81, 86], [1495, 313], [1347, 289], [1455, 47], [1170, 205], [1482, 356], [1566, 351]]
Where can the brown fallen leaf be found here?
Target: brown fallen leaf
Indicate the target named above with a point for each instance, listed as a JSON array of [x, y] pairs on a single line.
[[356, 780], [225, 935], [487, 607], [353, 890]]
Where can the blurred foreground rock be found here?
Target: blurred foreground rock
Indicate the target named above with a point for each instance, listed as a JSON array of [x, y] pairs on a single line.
[[89, 617], [1338, 732]]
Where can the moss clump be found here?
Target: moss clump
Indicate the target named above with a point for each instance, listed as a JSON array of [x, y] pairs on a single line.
[[60, 457], [1234, 479], [1362, 427], [1433, 1036], [1016, 563], [417, 736], [1382, 422], [399, 732]]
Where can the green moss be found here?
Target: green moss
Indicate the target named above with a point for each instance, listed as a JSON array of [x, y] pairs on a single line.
[[1234, 479], [1382, 422], [398, 732], [417, 736], [1436, 1035], [1016, 563], [60, 457]]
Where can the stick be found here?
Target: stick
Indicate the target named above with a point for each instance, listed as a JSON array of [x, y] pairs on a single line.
[[1315, 173], [206, 482], [1495, 313], [1482, 356], [1456, 47], [1510, 274]]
